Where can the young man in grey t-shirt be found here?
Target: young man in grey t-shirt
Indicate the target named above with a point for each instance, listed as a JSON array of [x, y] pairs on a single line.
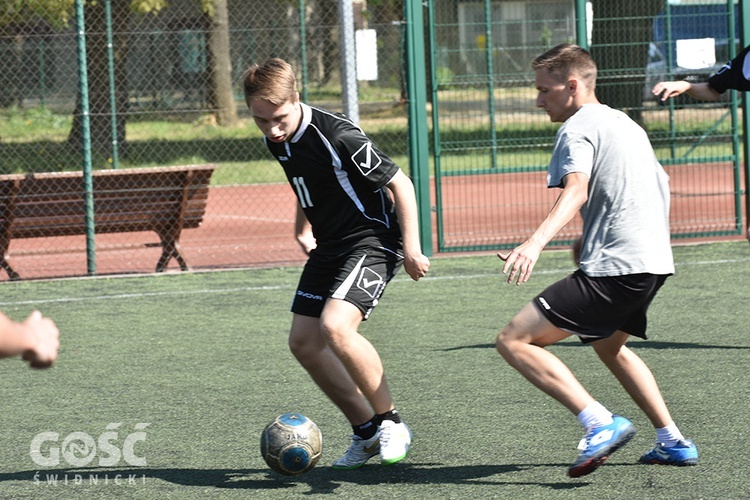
[[607, 170]]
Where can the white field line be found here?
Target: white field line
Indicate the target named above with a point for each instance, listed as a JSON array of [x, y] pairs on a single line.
[[290, 287]]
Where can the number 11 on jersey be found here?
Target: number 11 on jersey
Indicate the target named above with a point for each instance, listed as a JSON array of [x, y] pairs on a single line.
[[302, 193]]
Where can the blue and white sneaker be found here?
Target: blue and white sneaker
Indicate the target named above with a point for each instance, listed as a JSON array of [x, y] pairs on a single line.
[[683, 453], [599, 443]]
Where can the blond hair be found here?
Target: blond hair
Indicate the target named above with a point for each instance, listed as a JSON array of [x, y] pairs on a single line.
[[273, 81], [565, 60]]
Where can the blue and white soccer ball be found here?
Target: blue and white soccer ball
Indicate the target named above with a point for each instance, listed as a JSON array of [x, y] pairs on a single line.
[[291, 444]]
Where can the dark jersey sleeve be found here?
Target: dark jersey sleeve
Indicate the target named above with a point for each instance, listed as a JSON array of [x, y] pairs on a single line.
[[732, 75], [361, 156]]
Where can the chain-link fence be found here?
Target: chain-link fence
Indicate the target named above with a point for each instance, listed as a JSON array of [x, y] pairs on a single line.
[[492, 145], [164, 90]]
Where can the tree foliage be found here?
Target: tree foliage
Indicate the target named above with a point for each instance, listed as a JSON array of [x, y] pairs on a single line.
[[59, 13]]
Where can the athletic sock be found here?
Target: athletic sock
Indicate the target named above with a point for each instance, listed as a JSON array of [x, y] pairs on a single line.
[[594, 415], [669, 435], [368, 429], [390, 415]]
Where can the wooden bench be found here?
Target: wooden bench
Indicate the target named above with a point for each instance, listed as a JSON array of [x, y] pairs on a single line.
[[165, 200]]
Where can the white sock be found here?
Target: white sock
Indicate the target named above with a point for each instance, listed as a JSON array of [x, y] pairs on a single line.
[[669, 435], [594, 415]]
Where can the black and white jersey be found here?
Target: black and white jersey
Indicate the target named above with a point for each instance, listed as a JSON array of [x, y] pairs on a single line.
[[339, 177], [733, 75]]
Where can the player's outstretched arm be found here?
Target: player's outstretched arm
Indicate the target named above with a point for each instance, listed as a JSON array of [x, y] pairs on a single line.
[[520, 262], [416, 264], [700, 91], [36, 339]]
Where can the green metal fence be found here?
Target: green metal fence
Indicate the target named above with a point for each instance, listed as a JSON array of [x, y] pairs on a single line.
[[156, 83], [445, 89], [491, 145]]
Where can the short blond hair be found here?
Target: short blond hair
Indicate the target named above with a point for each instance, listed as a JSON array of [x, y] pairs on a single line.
[[565, 60], [273, 81]]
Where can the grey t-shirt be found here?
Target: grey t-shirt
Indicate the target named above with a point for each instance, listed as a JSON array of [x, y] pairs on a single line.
[[626, 216]]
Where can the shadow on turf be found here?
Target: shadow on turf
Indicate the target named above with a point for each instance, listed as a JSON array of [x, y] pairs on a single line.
[[637, 344], [320, 480]]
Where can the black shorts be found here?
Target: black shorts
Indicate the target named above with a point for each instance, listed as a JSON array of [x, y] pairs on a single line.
[[595, 308], [358, 275]]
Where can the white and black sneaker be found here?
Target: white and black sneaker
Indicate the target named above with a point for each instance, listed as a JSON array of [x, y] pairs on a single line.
[[395, 441], [359, 452]]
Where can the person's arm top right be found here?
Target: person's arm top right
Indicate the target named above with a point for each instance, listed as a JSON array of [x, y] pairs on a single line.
[[701, 91]]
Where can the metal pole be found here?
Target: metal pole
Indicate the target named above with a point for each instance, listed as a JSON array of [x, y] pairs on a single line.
[[582, 20], [42, 45], [744, 6], [303, 47], [436, 145], [88, 184], [112, 90], [489, 56], [419, 155], [348, 60]]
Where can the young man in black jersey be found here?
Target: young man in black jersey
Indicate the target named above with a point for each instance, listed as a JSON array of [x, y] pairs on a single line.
[[357, 222], [734, 75]]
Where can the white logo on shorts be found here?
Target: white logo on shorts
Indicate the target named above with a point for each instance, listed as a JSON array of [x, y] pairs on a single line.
[[370, 282], [544, 303]]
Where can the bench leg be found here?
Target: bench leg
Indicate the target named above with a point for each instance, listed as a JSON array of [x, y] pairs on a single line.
[[12, 274], [169, 251]]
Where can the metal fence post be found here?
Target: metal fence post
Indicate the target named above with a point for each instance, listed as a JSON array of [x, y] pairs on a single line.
[[582, 24], [88, 184], [419, 159], [112, 93], [302, 9], [744, 12], [348, 60]]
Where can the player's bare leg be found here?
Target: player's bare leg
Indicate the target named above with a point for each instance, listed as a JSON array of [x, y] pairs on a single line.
[[634, 376], [672, 448], [311, 349], [521, 343], [339, 323]]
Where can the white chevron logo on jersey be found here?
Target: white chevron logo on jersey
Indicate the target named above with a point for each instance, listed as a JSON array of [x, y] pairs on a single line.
[[366, 159]]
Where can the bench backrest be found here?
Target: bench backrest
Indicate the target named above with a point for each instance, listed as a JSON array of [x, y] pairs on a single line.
[[148, 199]]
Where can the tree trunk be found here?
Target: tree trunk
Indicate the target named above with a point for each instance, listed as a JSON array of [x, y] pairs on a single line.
[[220, 93], [100, 107], [620, 38]]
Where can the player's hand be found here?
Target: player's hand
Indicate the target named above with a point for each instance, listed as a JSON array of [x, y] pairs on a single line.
[[665, 90], [44, 339], [307, 243], [416, 266], [520, 262]]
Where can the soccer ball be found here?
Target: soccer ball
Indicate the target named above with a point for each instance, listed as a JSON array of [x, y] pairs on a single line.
[[291, 444]]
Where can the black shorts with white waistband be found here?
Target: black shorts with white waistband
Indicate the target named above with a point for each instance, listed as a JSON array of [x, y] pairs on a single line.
[[357, 275], [594, 308]]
